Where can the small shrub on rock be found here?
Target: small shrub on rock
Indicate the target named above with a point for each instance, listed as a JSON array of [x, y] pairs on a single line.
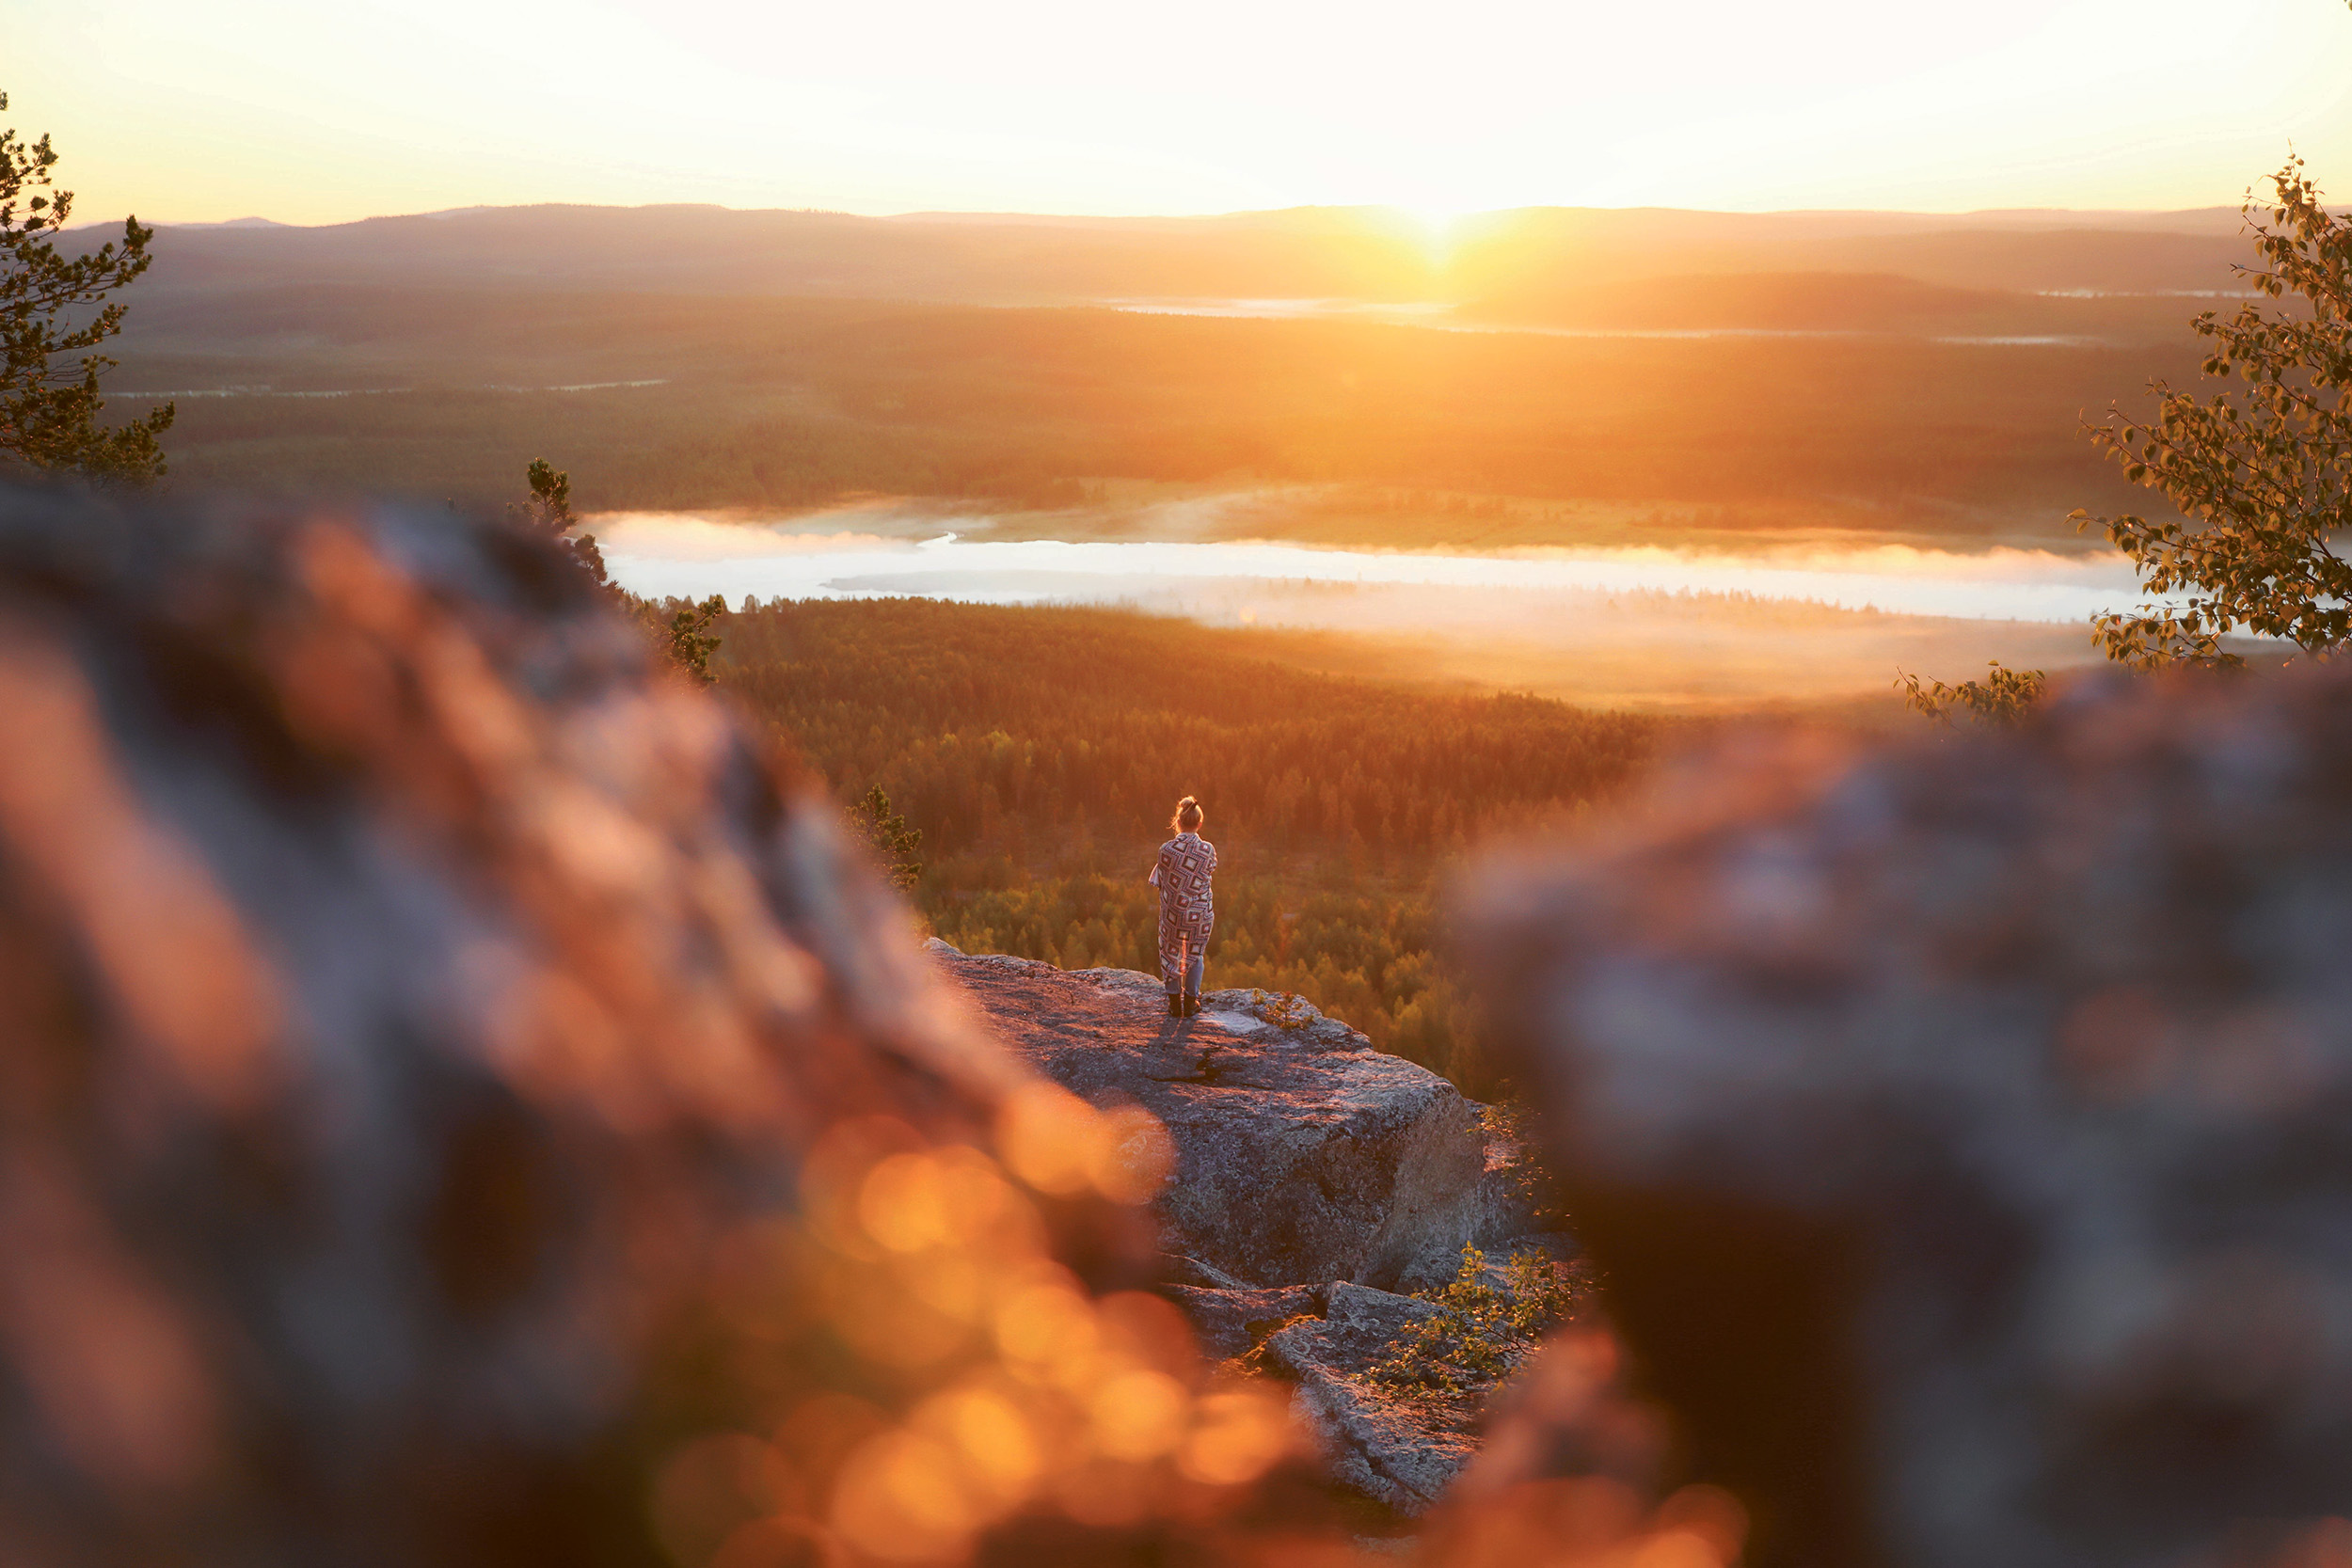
[[1505, 1124], [1282, 1008], [1483, 1329]]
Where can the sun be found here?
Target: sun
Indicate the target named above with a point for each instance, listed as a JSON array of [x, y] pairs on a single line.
[[1437, 218], [1434, 226]]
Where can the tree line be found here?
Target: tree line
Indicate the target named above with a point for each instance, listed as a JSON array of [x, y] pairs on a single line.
[[1055, 734]]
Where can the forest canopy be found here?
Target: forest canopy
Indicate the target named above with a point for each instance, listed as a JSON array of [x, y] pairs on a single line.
[[1039, 751]]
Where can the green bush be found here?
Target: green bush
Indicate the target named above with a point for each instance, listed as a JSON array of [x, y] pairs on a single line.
[[1482, 1330]]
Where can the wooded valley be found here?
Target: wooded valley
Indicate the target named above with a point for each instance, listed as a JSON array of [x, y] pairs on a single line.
[[1039, 751]]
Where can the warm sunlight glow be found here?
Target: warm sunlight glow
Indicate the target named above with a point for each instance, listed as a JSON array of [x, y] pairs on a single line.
[[310, 114], [1436, 228]]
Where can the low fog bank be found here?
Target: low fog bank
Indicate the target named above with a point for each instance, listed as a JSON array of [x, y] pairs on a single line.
[[1649, 628], [882, 550], [1341, 514], [1646, 649]]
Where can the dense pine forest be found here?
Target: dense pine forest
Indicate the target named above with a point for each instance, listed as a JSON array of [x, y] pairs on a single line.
[[1039, 751]]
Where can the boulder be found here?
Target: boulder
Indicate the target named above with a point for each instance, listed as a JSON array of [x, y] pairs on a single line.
[[1304, 1156], [1316, 1179], [1964, 1125]]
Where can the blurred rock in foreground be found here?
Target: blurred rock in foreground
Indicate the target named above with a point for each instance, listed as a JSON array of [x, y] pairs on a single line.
[[1965, 1131], [459, 1106]]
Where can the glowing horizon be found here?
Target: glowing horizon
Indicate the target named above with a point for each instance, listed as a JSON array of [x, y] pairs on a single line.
[[314, 115], [1440, 226]]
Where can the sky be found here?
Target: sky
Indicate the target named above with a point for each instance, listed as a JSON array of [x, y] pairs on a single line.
[[315, 113]]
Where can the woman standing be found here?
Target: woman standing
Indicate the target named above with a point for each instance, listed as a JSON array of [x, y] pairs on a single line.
[[1186, 915]]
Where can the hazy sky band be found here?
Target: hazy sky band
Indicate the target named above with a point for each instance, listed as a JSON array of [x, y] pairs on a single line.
[[310, 113]]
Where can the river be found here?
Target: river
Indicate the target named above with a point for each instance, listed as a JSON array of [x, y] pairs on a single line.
[[660, 554]]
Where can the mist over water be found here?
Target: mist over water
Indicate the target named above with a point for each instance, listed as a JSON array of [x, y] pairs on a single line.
[[1668, 629], [660, 554]]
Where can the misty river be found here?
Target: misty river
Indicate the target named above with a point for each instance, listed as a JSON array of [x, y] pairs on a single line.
[[662, 554]]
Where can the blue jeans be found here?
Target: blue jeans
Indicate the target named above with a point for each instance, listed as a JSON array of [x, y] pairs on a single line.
[[1183, 950]]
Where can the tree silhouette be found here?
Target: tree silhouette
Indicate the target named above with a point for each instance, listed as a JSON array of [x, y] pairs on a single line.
[[687, 639], [550, 510], [49, 410], [893, 843], [2001, 698]]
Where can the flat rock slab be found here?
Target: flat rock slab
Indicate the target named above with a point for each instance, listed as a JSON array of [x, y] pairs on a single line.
[[1304, 1155], [1354, 1329], [1389, 1448], [1398, 1448]]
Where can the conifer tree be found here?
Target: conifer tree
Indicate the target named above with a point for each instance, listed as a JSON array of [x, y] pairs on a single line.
[[550, 510], [893, 842], [688, 641], [49, 369], [685, 636]]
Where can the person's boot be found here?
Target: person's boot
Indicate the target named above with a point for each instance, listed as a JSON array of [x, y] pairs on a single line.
[[1175, 1006], [1192, 1005]]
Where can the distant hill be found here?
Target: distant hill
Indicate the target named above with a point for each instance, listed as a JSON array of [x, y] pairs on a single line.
[[1366, 254], [1930, 378], [1524, 253], [231, 223], [950, 258]]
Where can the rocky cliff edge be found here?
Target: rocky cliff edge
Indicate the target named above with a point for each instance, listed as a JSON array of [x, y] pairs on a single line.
[[1317, 1183]]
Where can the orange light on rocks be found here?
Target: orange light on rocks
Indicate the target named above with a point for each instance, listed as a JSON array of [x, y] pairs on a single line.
[[902, 1497], [1108, 1493], [1236, 1438], [995, 1439], [1138, 1414], [1043, 1326], [903, 1203], [885, 1322], [1051, 1138]]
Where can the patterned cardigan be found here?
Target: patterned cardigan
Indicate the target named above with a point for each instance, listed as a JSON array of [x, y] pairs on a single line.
[[1182, 874]]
